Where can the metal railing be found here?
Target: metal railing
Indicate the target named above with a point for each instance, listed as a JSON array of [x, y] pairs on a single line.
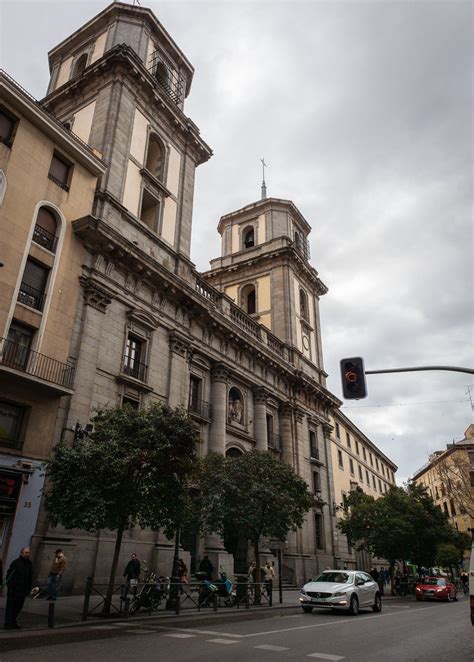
[[31, 297], [45, 239], [16, 356], [134, 368], [58, 182], [170, 81], [201, 408], [302, 246]]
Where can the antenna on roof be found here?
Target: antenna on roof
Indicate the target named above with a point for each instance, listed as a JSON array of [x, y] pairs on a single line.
[[264, 186]]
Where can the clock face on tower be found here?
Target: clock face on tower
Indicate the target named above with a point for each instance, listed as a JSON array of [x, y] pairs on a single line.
[[305, 342]]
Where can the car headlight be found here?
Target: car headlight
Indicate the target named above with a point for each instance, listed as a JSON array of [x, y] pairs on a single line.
[[340, 594], [303, 592]]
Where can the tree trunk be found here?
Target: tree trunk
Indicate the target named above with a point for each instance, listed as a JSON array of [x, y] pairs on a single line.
[[113, 572]]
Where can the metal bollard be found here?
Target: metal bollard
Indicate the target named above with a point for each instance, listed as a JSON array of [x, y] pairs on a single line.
[[247, 601], [178, 603], [214, 601], [87, 595], [51, 614], [126, 609]]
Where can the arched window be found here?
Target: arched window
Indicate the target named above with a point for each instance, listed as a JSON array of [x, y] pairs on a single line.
[[236, 406], [248, 298], [45, 232], [81, 64], [233, 452], [249, 237], [304, 313], [155, 156]]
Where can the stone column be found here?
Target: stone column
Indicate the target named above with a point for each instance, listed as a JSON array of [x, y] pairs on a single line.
[[260, 419], [217, 433], [331, 520], [178, 377], [285, 416]]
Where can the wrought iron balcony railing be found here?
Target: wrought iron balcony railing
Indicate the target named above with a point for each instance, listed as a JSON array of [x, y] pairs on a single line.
[[45, 239], [21, 358], [201, 408], [169, 80], [58, 182], [302, 246], [314, 452], [31, 297], [134, 368]]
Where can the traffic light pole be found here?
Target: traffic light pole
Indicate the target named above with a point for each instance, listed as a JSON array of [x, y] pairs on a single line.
[[450, 368]]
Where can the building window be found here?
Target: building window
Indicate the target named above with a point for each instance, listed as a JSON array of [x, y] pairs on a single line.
[[371, 460], [445, 508], [235, 406], [248, 298], [80, 65], [45, 230], [351, 466], [360, 472], [60, 171], [195, 386], [338, 431], [364, 453], [8, 124], [374, 483], [383, 470], [155, 157], [377, 464], [348, 440], [340, 460], [367, 478], [161, 74], [149, 210], [32, 290], [443, 489], [313, 445], [16, 349], [316, 482], [380, 486], [133, 364], [319, 530], [453, 508], [248, 237], [11, 423], [272, 440], [130, 402], [304, 310], [357, 448]]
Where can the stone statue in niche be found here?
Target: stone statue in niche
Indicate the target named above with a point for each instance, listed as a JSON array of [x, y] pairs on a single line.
[[235, 408]]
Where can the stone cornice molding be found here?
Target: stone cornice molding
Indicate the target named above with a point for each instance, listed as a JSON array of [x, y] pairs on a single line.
[[142, 318], [179, 344], [95, 295], [327, 428]]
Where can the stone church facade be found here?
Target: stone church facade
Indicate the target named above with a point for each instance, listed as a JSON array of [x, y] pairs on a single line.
[[240, 345]]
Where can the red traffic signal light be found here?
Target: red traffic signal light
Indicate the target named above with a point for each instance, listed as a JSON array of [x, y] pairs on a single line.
[[353, 378]]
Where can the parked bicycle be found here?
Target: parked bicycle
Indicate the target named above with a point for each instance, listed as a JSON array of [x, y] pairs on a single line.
[[151, 593]]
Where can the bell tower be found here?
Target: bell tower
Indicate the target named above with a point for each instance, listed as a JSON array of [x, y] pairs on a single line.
[[120, 83], [265, 269]]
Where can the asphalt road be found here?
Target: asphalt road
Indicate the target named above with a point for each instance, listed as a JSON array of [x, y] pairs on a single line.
[[404, 632]]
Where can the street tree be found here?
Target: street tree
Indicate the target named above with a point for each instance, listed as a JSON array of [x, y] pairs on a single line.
[[131, 470], [254, 494], [448, 556], [452, 470]]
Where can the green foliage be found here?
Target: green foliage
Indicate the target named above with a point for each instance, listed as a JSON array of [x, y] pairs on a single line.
[[447, 555], [132, 470], [254, 494], [403, 524]]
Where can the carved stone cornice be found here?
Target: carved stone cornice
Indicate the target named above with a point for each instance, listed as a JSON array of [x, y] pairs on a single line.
[[286, 410], [95, 294], [142, 318], [328, 428], [220, 373], [300, 414], [260, 396]]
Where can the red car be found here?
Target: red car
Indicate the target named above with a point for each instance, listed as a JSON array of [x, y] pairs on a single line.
[[435, 588]]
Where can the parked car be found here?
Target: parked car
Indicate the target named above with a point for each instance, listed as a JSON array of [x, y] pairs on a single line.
[[435, 588], [341, 590]]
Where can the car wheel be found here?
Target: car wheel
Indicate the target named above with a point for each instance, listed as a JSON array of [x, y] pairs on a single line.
[[308, 610], [354, 606], [377, 606]]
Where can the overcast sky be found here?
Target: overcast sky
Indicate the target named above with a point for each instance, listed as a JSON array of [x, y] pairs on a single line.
[[363, 112]]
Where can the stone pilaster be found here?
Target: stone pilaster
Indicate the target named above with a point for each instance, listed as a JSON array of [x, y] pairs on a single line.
[[217, 433], [286, 434], [179, 349], [260, 419]]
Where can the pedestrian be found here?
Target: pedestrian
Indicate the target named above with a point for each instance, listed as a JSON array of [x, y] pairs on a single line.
[[19, 579], [58, 566], [132, 574], [375, 574], [269, 575], [183, 572], [207, 567]]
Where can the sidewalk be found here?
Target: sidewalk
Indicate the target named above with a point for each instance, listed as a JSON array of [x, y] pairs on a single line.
[[68, 611]]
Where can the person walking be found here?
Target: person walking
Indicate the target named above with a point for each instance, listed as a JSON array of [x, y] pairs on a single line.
[[207, 567], [268, 578], [58, 566], [18, 579], [132, 574]]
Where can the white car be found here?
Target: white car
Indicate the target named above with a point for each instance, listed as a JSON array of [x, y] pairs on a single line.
[[344, 590]]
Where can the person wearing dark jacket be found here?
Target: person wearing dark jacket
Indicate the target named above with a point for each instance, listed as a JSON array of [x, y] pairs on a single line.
[[18, 579], [131, 572]]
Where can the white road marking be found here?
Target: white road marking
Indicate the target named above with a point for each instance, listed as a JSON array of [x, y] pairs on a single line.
[[179, 635], [223, 641], [269, 647], [196, 631], [326, 656]]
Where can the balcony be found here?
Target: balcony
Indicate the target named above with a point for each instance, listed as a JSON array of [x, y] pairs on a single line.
[[168, 79], [200, 408], [133, 368], [45, 239], [302, 246], [31, 297], [274, 441], [20, 359], [315, 455]]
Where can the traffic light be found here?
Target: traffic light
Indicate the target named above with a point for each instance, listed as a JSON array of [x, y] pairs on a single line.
[[353, 378]]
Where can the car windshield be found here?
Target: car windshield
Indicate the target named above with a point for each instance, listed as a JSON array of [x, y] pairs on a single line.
[[333, 577], [433, 581]]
